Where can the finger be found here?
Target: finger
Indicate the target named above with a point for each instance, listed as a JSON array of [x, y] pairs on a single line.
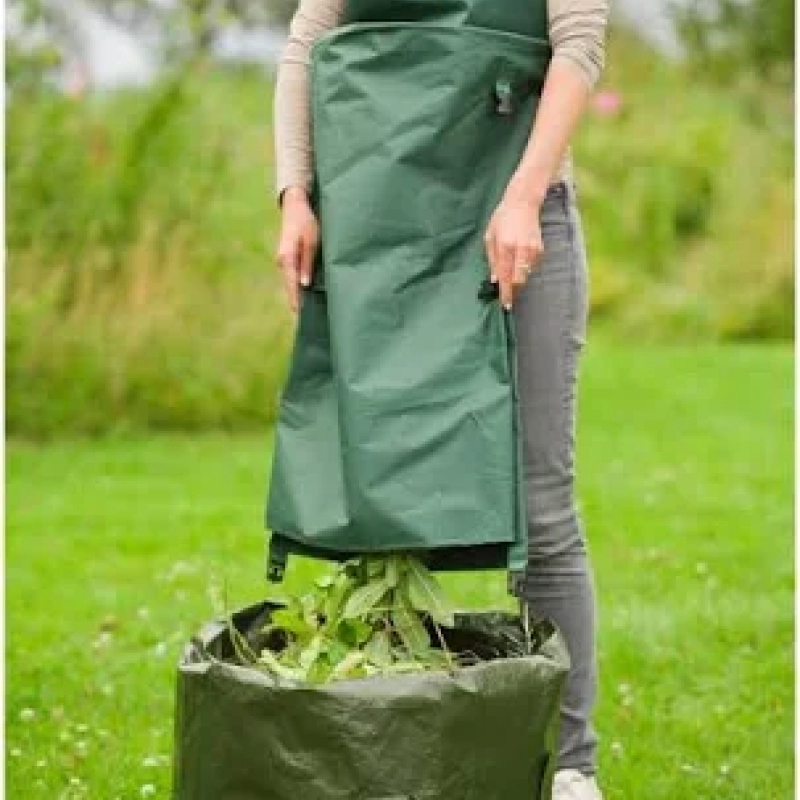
[[491, 254], [506, 275], [308, 249], [290, 284], [520, 276], [525, 256], [537, 251], [289, 261], [524, 261]]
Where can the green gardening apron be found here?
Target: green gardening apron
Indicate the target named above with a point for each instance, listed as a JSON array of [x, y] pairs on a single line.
[[398, 428]]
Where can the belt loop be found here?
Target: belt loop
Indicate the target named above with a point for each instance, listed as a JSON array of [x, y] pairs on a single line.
[[572, 190], [566, 194]]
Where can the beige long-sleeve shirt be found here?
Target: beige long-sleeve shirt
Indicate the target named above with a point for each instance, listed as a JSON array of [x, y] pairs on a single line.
[[577, 34]]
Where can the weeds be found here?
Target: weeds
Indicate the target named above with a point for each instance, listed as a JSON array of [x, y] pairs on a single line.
[[367, 618]]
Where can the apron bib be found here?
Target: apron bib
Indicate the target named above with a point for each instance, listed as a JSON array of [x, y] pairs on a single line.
[[398, 428]]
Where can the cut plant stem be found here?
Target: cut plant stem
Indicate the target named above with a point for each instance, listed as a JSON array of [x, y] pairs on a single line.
[[445, 649]]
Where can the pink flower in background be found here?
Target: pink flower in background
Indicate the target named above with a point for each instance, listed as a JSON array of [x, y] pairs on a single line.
[[607, 103], [77, 81]]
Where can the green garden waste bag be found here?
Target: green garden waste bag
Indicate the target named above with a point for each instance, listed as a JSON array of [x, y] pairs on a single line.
[[398, 427], [484, 732]]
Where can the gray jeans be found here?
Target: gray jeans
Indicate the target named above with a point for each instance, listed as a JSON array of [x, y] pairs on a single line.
[[550, 322]]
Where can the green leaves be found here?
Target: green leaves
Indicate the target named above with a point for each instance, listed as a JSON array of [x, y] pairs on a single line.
[[290, 622], [311, 653], [348, 666], [412, 632], [353, 632], [427, 596], [276, 667], [367, 618], [336, 595], [378, 650], [393, 569], [325, 582], [365, 598]]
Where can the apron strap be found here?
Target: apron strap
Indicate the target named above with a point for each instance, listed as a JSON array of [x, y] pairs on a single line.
[[277, 558]]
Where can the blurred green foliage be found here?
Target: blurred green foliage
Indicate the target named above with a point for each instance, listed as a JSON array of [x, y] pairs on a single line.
[[141, 288], [31, 49], [731, 37], [140, 285], [688, 197], [43, 30]]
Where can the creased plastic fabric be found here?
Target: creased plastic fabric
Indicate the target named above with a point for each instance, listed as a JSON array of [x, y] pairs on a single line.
[[398, 427], [487, 732]]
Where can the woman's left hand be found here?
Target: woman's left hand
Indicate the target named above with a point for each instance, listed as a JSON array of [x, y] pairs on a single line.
[[513, 245]]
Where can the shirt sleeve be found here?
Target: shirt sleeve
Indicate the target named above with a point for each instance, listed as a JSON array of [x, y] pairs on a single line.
[[578, 32], [292, 113]]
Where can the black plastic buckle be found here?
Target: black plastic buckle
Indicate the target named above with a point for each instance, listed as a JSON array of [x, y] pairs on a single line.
[[504, 95], [488, 290]]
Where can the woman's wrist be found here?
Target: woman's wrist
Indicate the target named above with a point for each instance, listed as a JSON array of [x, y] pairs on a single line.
[[527, 189], [292, 195]]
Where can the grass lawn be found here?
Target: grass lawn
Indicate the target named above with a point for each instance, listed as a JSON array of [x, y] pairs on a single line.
[[118, 550]]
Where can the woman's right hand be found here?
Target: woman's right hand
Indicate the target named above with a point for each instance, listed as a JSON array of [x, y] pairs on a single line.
[[297, 244]]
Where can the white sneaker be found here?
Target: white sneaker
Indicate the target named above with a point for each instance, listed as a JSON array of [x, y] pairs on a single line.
[[569, 784]]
